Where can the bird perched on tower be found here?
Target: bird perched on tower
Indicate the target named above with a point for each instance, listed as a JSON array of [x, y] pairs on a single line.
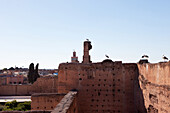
[[164, 57], [145, 56]]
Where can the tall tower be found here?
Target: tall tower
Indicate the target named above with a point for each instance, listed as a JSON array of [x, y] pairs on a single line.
[[74, 58], [86, 56]]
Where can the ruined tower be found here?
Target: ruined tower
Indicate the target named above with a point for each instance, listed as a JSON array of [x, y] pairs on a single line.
[[86, 56], [74, 58]]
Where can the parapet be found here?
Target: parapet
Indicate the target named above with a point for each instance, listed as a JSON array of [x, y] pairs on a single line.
[[45, 101], [67, 103]]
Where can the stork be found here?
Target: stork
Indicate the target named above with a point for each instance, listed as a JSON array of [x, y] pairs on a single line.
[[145, 56], [107, 56], [164, 57]]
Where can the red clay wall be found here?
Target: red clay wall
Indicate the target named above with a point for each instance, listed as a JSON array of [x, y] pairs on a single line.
[[42, 85], [154, 81], [158, 73], [15, 90], [41, 111], [45, 85], [104, 87], [68, 104], [45, 101]]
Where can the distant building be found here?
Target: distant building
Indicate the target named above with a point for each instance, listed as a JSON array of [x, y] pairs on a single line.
[[19, 79], [3, 78], [6, 79], [74, 58]]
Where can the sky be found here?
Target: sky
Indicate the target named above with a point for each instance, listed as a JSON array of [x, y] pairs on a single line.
[[48, 31]]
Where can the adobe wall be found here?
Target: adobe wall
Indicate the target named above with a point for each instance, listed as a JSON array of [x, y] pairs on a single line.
[[42, 85], [103, 87], [45, 85], [9, 90], [45, 101], [156, 73], [41, 111], [68, 104], [153, 79]]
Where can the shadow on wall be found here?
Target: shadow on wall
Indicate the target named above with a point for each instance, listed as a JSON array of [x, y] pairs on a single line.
[[139, 98]]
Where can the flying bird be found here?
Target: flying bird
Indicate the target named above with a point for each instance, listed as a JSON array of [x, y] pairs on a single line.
[[165, 58], [107, 56], [145, 56]]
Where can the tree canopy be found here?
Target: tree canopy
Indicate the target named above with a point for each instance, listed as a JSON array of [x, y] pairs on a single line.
[[33, 73]]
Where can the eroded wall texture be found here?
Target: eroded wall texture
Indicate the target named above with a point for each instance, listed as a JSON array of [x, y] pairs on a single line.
[[154, 81], [104, 87], [68, 104]]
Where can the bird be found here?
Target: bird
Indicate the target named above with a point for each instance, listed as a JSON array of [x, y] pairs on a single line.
[[107, 56], [145, 56], [164, 57], [87, 39]]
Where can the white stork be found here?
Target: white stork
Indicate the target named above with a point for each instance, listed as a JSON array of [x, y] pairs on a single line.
[[145, 56], [107, 56], [164, 57]]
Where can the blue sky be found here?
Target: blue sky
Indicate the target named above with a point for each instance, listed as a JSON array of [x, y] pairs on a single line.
[[47, 31]]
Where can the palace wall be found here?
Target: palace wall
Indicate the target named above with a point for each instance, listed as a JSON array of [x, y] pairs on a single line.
[[42, 85], [13, 90], [102, 87], [154, 82], [45, 101], [68, 104], [41, 111]]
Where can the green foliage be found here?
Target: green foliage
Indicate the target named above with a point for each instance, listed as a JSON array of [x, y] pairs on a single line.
[[1, 107], [33, 73], [11, 104], [5, 69], [27, 105], [36, 74], [15, 106]]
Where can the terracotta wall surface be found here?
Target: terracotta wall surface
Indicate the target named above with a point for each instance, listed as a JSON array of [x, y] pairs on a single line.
[[13, 90], [45, 85], [68, 104], [42, 85], [158, 73], [41, 111], [153, 79], [104, 87], [45, 101]]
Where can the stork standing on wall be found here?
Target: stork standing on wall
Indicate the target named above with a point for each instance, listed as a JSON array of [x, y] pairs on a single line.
[[107, 56], [145, 56], [165, 58]]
